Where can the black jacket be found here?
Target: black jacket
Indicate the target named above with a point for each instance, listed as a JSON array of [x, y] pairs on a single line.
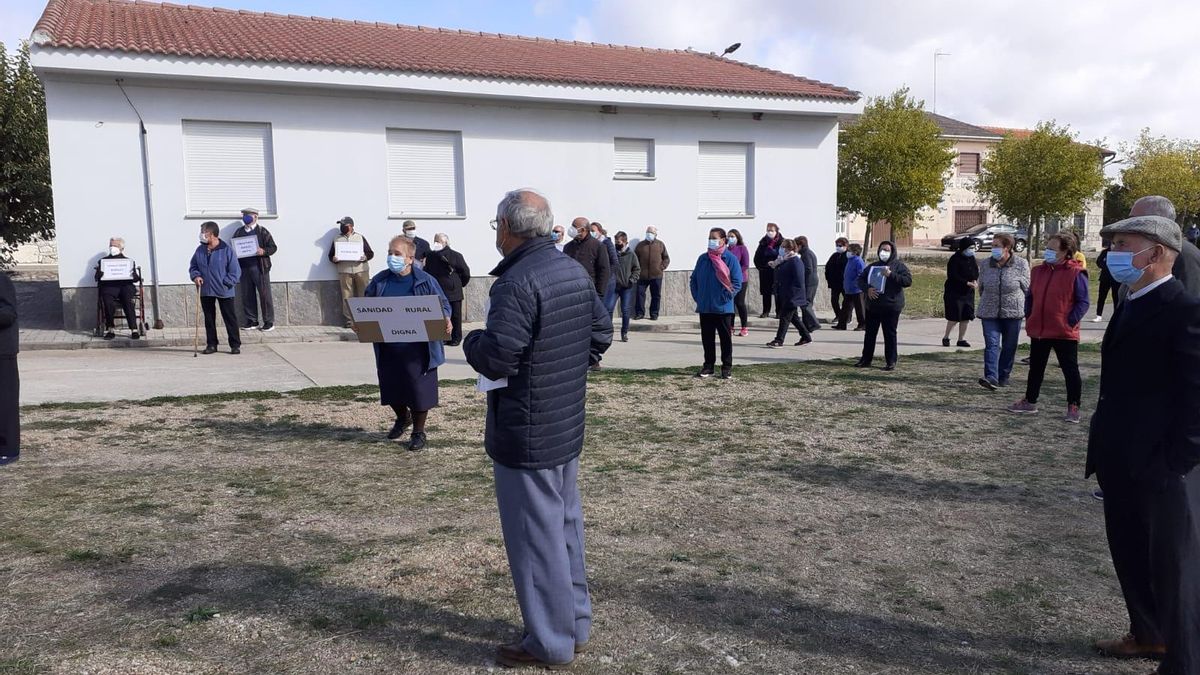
[[420, 249], [835, 270], [791, 285], [765, 253], [545, 325], [812, 275], [450, 269], [1146, 424], [99, 275], [265, 241], [892, 298], [960, 270], [1187, 268], [593, 255], [8, 317]]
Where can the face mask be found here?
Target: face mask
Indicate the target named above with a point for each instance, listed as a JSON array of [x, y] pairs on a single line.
[[622, 247], [841, 249], [733, 241], [411, 234], [969, 252], [345, 230], [203, 238], [572, 232], [714, 244], [113, 250], [771, 233], [248, 220], [555, 237], [595, 235], [885, 255], [650, 236], [1050, 255], [436, 246], [782, 253], [997, 253], [397, 263], [1120, 266]]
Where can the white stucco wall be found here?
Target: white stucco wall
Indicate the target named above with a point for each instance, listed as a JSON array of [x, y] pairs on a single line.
[[329, 161]]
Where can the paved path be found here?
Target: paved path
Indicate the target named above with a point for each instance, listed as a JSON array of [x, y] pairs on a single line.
[[114, 374]]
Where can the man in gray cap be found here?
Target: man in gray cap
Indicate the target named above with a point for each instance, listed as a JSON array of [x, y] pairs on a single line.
[[1144, 445], [355, 274], [256, 272], [1187, 265]]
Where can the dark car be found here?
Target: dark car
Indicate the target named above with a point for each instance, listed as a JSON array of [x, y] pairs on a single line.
[[982, 236]]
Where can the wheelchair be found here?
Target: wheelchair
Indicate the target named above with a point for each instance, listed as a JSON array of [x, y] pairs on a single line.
[[139, 308]]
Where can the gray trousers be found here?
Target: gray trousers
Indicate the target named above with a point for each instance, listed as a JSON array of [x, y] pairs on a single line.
[[542, 521], [257, 282], [807, 313]]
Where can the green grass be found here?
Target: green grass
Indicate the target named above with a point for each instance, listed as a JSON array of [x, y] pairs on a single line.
[[201, 614]]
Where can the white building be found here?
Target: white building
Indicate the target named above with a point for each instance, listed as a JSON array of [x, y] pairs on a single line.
[[312, 119]]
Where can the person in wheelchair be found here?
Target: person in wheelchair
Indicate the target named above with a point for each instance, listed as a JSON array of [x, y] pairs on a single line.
[[113, 291]]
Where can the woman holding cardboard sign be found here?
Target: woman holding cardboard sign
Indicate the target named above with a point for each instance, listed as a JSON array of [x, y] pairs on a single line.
[[408, 380]]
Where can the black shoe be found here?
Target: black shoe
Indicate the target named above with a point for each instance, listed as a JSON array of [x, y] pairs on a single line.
[[454, 343], [399, 428], [594, 368], [135, 335], [1002, 384], [805, 341], [988, 384], [109, 335], [945, 342], [1098, 495], [639, 317], [654, 318], [209, 350], [763, 315], [813, 329], [963, 343], [705, 372], [235, 350], [268, 326], [1024, 361], [890, 367], [726, 373], [624, 337], [774, 344], [862, 364], [9, 460], [250, 326], [417, 442], [840, 326]]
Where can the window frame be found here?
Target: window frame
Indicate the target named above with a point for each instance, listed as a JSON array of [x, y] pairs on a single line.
[[748, 185], [978, 163], [651, 168], [268, 211], [459, 176]]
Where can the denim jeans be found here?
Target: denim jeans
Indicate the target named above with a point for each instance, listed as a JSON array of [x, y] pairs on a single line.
[[610, 296], [626, 296], [1000, 337]]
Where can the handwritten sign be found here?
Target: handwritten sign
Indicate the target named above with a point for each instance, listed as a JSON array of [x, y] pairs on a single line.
[[415, 318], [116, 269], [245, 247], [347, 251]]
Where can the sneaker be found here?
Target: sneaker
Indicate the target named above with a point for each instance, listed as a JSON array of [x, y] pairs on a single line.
[[774, 344], [1097, 319], [1024, 361], [804, 341], [945, 342], [399, 427], [1023, 407], [705, 372], [988, 384], [417, 442], [726, 373], [267, 327], [743, 332], [9, 460], [135, 335], [962, 343], [250, 326], [1072, 415], [109, 335]]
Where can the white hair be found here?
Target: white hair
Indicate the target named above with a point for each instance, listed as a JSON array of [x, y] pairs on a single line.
[[527, 212], [120, 242]]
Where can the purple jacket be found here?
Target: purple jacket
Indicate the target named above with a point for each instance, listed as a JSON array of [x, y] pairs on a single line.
[[743, 256]]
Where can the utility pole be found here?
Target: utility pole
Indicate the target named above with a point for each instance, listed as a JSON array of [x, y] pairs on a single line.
[[936, 54]]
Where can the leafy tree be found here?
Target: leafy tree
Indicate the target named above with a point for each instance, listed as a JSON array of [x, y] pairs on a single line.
[[1116, 203], [1047, 174], [1161, 166], [892, 162], [26, 210]]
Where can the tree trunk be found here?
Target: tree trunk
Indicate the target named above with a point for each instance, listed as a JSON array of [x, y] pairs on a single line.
[[867, 238]]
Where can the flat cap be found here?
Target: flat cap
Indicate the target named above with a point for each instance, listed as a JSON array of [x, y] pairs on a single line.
[[1162, 230], [347, 220], [251, 210]]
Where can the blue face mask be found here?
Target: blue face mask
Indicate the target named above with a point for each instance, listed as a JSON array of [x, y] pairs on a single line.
[[247, 219], [969, 252], [1050, 255], [555, 236], [595, 235], [997, 253], [397, 263], [650, 236], [714, 244], [1120, 266], [733, 241]]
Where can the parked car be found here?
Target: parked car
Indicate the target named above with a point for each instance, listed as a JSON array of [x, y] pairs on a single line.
[[982, 236]]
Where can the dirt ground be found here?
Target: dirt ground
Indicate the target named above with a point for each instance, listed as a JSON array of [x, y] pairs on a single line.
[[811, 518]]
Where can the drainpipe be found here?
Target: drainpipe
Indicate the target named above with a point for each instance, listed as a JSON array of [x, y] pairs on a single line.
[[158, 324]]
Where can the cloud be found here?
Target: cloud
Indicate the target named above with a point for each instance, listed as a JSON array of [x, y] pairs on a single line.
[[1106, 67]]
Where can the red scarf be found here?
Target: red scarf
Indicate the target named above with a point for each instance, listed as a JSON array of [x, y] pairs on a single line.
[[720, 268]]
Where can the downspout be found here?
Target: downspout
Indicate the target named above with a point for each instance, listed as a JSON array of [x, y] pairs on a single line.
[[158, 324]]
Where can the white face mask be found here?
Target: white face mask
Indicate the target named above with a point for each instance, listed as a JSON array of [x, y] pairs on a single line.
[[203, 238], [885, 255], [113, 250], [411, 234], [435, 246]]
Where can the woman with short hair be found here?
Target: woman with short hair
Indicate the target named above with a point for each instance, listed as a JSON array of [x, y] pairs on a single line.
[[737, 246], [407, 371], [958, 296], [791, 294], [1003, 282]]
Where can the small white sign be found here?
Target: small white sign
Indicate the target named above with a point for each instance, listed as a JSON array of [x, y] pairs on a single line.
[[409, 318], [116, 269], [348, 251], [245, 247]]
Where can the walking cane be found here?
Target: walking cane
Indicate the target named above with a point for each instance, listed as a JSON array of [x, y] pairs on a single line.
[[196, 332]]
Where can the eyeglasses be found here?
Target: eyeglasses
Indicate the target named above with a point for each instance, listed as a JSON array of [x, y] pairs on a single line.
[[494, 222]]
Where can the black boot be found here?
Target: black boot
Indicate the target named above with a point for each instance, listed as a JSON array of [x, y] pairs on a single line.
[[399, 427], [417, 442]]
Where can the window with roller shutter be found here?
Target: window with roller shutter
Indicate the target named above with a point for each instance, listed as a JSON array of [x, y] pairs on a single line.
[[227, 166], [633, 158], [725, 180], [424, 174]]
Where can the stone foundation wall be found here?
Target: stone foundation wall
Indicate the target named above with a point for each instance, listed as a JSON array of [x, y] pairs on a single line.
[[318, 303]]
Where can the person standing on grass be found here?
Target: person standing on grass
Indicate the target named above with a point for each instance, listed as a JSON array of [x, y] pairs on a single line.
[[654, 261], [790, 294], [962, 278], [737, 246], [627, 273], [767, 253], [1144, 445], [545, 325], [216, 272], [835, 269], [256, 273], [10, 379], [883, 306], [715, 281], [407, 371], [1003, 283], [853, 294], [1055, 304], [450, 269], [1106, 283], [353, 275], [812, 279]]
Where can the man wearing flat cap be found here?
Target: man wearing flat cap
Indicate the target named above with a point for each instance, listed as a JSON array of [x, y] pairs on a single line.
[[1187, 265], [256, 272], [1144, 445]]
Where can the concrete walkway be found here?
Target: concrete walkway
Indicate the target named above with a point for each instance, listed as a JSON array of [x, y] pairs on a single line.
[[114, 374]]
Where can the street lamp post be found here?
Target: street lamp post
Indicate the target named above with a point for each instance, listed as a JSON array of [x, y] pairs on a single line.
[[936, 54]]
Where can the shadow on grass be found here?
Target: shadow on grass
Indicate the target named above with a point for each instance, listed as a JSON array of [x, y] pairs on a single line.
[[868, 479], [285, 429]]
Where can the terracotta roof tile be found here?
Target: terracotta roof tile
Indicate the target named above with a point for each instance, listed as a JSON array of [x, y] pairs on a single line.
[[203, 32]]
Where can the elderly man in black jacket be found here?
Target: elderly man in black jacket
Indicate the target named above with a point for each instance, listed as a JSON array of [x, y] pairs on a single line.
[[545, 325], [835, 269], [812, 280], [589, 252], [1144, 445], [10, 383], [450, 269]]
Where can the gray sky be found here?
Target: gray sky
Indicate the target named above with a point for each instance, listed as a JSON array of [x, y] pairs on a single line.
[[1105, 67]]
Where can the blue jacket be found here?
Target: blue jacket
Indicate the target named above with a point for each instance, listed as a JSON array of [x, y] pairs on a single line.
[[710, 296], [423, 284], [791, 282], [545, 325], [854, 267], [219, 268]]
